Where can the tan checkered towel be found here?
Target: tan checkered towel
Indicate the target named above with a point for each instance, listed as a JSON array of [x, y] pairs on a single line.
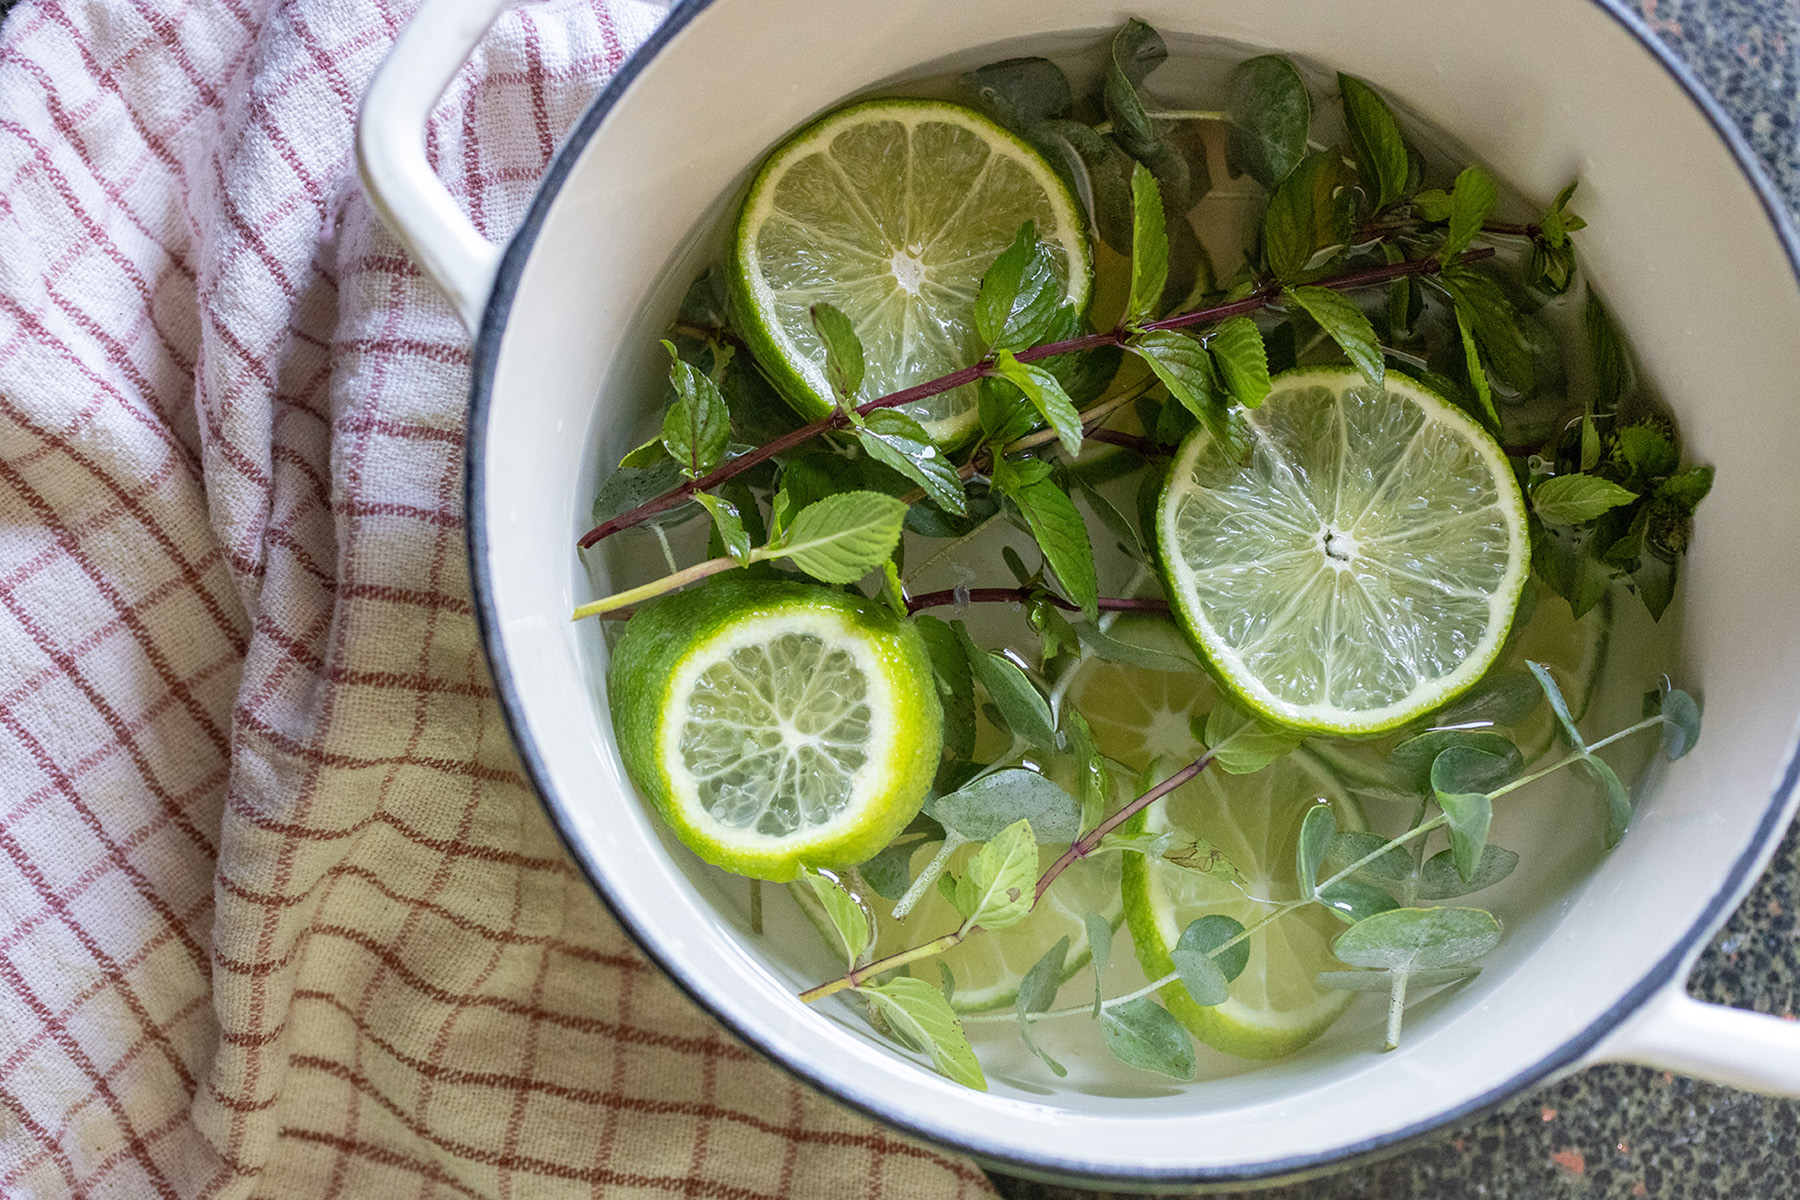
[[278, 916]]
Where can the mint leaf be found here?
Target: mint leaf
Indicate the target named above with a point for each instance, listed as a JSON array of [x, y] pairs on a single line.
[[1237, 347], [729, 524], [1142, 1034], [649, 454], [999, 885], [843, 351], [1149, 247], [1578, 499], [1021, 705], [1442, 879], [1419, 939], [1016, 305], [1376, 140], [1271, 114], [1058, 528], [697, 426], [841, 538], [1606, 349], [1688, 488], [1339, 316], [1184, 367], [1046, 395], [851, 920], [1648, 451], [1465, 326], [1432, 204], [1037, 992], [955, 683], [1096, 170], [987, 807], [1472, 199], [1309, 219], [896, 440], [921, 1018], [1316, 831]]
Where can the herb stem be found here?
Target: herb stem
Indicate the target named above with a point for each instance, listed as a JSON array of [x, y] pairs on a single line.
[[654, 588], [880, 966], [1262, 298], [927, 877], [1396, 1009], [1020, 595]]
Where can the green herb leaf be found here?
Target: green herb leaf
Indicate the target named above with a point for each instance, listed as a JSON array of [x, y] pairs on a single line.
[[729, 525], [1199, 855], [1116, 522], [898, 441], [1432, 204], [1465, 326], [841, 538], [1112, 649], [1090, 767], [1558, 705], [1037, 992], [1237, 347], [921, 1017], [955, 684], [843, 350], [1099, 935], [1057, 527], [1504, 697], [697, 425], [1606, 349], [1142, 1034], [1353, 900], [1352, 845], [854, 925], [1578, 499], [1149, 248], [1241, 742], [1271, 114], [1375, 139], [1681, 721], [1047, 395], [1440, 879], [627, 488], [998, 886], [1339, 316], [1309, 218], [1021, 705], [1471, 201], [1185, 368], [1383, 981], [889, 873], [1648, 451], [1470, 812], [1136, 50], [1201, 976], [1613, 793], [1316, 832], [1000, 285], [1097, 171], [1020, 92], [1419, 939], [985, 808], [1205, 935], [649, 454], [1688, 488]]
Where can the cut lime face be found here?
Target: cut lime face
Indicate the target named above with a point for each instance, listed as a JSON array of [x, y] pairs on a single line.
[[776, 725], [892, 210], [1362, 567]]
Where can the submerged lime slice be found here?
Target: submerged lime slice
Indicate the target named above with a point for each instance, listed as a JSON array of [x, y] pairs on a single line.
[[892, 210], [1359, 565], [776, 725]]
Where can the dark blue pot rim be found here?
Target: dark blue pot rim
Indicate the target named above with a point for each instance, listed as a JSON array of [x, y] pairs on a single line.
[[484, 361]]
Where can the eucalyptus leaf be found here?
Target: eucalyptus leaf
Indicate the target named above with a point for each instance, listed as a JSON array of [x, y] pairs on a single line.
[[841, 538], [1339, 316], [1419, 939], [1200, 975], [843, 350], [1578, 499], [1464, 767], [1353, 900], [1046, 394], [697, 425], [889, 873], [1353, 845], [1439, 878], [1020, 93], [1558, 705], [1681, 723], [997, 887], [1471, 201], [1271, 114], [1237, 348], [1383, 981], [1415, 758], [1112, 649], [1241, 742], [854, 925], [1375, 139], [1142, 1034], [921, 1017], [1037, 992], [1205, 935], [987, 807], [1099, 936], [1612, 792], [1503, 697], [897, 440], [1149, 248], [1097, 171], [1470, 814], [1316, 832]]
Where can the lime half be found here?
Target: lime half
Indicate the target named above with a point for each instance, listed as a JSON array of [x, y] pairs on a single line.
[[776, 725], [892, 210], [1360, 565]]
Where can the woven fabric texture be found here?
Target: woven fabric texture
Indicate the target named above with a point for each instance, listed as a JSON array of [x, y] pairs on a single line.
[[278, 915]]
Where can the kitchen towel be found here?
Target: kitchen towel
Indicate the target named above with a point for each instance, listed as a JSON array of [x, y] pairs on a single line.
[[278, 914]]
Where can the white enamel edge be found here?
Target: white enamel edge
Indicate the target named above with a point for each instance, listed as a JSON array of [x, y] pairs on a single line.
[[390, 150], [1675, 1032]]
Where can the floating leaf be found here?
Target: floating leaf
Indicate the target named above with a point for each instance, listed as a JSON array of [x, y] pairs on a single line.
[[1271, 114], [1472, 199], [1439, 879], [955, 684], [1681, 723], [1353, 900], [889, 873], [891, 437], [1647, 450], [1205, 935], [1149, 247], [1097, 171], [1613, 793], [1578, 499], [1375, 139], [998, 886], [1503, 697], [1037, 992], [1090, 767], [984, 809], [921, 1017], [1116, 522], [627, 488], [697, 425], [1606, 349], [1241, 742], [1113, 649], [1558, 705], [1469, 812], [1316, 832], [1199, 855], [1020, 93], [1339, 316], [1465, 326], [851, 920], [1200, 975], [1688, 488], [1419, 939], [843, 350], [1136, 50], [1099, 936], [1310, 213], [1393, 864], [841, 538], [1185, 368], [1046, 394], [1237, 347], [1021, 705], [1142, 1034]]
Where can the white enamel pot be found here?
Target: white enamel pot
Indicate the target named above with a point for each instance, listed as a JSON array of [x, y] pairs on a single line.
[[1689, 242]]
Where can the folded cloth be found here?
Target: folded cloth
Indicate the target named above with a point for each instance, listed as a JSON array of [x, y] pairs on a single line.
[[278, 915]]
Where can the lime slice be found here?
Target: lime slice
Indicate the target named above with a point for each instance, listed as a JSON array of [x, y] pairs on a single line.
[[1361, 567], [775, 725], [1141, 716], [891, 210]]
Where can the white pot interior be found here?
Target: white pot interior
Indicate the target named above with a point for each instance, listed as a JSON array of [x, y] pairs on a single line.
[[1680, 244]]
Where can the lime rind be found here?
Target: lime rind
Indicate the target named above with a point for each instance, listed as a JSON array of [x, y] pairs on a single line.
[[1298, 577], [833, 215], [836, 746]]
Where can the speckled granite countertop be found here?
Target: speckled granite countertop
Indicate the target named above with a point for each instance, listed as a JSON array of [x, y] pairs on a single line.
[[1625, 1131]]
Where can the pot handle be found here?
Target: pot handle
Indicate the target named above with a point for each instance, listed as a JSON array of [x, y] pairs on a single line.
[[1674, 1032], [390, 150]]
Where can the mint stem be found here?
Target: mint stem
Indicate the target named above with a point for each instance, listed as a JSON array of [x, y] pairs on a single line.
[[1367, 277]]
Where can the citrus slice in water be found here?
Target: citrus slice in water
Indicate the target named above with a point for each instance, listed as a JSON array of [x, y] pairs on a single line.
[[775, 725], [1140, 716], [1359, 564], [892, 210]]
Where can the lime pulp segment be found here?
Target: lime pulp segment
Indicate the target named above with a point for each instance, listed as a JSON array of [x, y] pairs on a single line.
[[892, 211], [1362, 566]]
